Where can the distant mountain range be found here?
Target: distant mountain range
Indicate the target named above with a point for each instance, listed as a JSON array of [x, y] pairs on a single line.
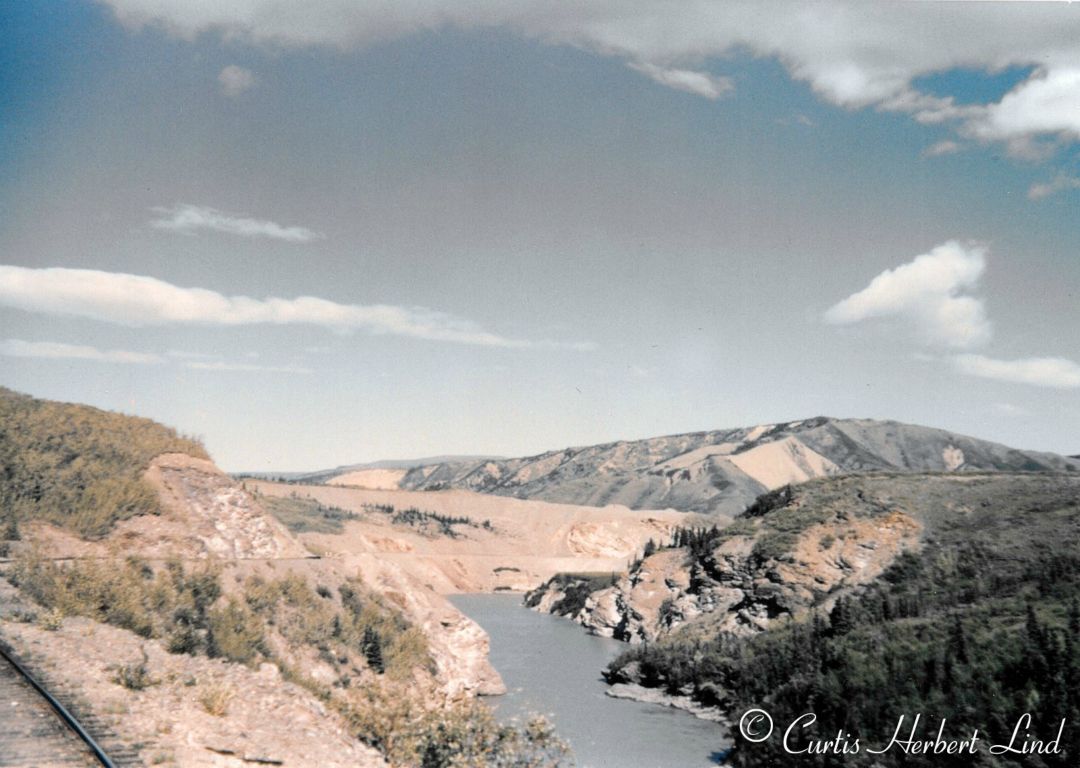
[[322, 475], [722, 471]]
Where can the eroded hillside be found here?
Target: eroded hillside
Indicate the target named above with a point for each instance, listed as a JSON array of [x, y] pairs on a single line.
[[458, 541], [723, 471]]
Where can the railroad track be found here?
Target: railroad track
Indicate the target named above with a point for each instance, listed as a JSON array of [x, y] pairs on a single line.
[[37, 730]]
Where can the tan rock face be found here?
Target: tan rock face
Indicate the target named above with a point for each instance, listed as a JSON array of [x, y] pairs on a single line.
[[206, 514]]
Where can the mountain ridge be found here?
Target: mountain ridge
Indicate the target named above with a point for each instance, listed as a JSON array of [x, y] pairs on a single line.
[[721, 471]]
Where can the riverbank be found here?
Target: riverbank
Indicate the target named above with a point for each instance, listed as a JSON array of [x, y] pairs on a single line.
[[657, 697]]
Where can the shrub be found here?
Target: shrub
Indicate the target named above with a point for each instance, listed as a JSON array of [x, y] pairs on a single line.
[[51, 620], [234, 632], [773, 545], [134, 676], [215, 699], [463, 734], [129, 594], [76, 466]]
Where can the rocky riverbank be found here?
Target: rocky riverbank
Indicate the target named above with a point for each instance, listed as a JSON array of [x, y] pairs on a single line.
[[656, 696]]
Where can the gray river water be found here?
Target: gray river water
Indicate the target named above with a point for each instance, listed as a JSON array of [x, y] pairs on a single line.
[[552, 666]]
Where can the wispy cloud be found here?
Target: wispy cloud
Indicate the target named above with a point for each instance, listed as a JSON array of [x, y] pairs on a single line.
[[54, 350], [247, 367], [929, 292], [1012, 410], [183, 354], [691, 81], [234, 80], [1059, 183], [190, 219], [136, 300], [1057, 372]]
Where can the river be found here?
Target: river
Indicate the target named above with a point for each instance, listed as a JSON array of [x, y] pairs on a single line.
[[552, 666]]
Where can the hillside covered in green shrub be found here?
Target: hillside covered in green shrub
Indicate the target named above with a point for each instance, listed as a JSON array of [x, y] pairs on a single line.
[[76, 466], [979, 626]]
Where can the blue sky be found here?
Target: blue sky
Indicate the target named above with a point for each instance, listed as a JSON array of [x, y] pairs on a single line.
[[524, 226]]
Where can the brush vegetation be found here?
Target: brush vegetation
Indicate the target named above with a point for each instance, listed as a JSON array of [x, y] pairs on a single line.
[[428, 523], [77, 467], [575, 588], [303, 514]]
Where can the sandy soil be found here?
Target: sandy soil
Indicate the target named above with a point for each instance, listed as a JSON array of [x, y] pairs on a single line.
[[372, 479], [528, 541], [782, 462]]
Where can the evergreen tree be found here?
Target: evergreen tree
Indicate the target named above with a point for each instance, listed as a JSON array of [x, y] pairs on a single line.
[[371, 647]]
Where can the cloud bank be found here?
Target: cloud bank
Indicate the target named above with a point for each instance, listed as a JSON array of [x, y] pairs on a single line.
[[136, 300], [851, 53], [930, 293], [190, 219]]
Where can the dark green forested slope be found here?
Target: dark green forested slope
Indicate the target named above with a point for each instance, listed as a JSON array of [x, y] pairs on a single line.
[[980, 626], [76, 466]]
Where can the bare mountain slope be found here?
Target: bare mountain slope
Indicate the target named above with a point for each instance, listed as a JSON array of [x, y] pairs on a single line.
[[722, 471]]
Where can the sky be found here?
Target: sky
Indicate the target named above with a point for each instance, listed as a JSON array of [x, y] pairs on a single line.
[[329, 232]]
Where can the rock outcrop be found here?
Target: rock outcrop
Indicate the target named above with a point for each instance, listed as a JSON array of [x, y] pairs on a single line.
[[206, 514], [818, 541]]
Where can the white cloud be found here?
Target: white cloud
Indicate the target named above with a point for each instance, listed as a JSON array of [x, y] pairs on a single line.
[[190, 219], [183, 354], [941, 148], [1057, 372], [53, 350], [851, 53], [247, 367], [135, 300], [929, 293], [700, 83], [1044, 104], [1059, 183], [1012, 410], [234, 80]]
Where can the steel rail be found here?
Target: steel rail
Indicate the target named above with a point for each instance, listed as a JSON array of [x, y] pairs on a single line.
[[8, 655]]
